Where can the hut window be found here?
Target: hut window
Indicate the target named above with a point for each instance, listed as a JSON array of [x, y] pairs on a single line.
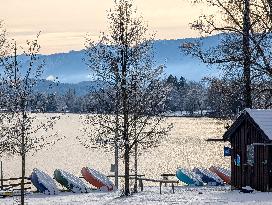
[[250, 154]]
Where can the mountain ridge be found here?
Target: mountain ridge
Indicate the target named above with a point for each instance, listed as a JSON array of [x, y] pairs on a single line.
[[69, 66]]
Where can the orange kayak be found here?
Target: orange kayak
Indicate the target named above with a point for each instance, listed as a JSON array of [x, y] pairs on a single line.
[[224, 174], [97, 179]]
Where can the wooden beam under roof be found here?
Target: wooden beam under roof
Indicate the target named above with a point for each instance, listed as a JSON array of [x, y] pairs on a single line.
[[215, 140]]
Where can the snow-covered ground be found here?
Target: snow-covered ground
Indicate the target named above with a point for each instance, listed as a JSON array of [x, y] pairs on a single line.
[[150, 195]]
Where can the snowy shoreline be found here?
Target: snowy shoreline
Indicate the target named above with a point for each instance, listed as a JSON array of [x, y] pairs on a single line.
[[182, 195]]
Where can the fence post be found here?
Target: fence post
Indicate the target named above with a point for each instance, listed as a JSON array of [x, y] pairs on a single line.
[[1, 170]]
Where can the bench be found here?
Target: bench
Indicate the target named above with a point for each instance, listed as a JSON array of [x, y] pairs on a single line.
[[131, 175], [160, 181], [166, 176]]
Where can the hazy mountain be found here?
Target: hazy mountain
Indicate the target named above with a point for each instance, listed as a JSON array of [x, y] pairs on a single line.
[[70, 67], [80, 88]]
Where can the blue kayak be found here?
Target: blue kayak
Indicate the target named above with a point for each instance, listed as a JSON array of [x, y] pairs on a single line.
[[188, 177], [208, 177], [43, 182]]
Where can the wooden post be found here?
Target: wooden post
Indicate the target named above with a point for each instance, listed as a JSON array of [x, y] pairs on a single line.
[[173, 188], [1, 170], [141, 184], [160, 186], [165, 178]]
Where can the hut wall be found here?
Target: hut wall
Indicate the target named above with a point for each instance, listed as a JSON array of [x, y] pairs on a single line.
[[255, 176]]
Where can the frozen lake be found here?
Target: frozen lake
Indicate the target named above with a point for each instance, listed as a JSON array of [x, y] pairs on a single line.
[[184, 147]]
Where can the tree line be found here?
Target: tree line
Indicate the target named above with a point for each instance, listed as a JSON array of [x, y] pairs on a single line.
[[211, 97]]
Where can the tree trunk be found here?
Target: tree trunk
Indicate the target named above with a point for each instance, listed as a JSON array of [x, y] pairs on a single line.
[[1, 170], [247, 56], [23, 180], [136, 168], [116, 140], [23, 153], [270, 9], [125, 115], [116, 162], [125, 135], [127, 192]]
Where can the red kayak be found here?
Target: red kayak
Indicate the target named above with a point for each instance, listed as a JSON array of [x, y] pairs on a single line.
[[224, 174], [97, 179]]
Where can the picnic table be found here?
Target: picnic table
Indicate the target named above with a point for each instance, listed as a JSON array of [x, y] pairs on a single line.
[[160, 181]]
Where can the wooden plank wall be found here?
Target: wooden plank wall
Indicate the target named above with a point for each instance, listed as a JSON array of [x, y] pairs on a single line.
[[243, 175]]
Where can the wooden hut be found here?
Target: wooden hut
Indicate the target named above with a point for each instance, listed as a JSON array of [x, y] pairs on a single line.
[[251, 150]]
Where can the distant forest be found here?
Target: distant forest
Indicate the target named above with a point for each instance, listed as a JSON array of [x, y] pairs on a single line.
[[212, 97]]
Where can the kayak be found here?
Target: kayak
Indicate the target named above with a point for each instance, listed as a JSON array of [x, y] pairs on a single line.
[[209, 177], [189, 177], [223, 173], [97, 179], [70, 181], [43, 182]]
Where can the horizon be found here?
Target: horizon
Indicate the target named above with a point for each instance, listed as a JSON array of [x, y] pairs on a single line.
[[61, 33], [172, 39]]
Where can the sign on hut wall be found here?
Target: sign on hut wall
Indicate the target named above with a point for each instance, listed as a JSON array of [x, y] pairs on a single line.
[[237, 160], [227, 151]]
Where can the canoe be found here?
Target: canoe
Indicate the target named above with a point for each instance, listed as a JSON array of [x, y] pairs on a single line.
[[97, 179], [209, 177], [43, 182], [223, 173], [70, 181], [189, 177]]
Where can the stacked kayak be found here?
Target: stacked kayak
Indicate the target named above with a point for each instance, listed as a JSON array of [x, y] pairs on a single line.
[[43, 182], [97, 179], [70, 181], [223, 173], [189, 177], [208, 177]]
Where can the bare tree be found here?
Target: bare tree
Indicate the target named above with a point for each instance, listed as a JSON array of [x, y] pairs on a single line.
[[224, 97], [3, 145], [24, 132], [133, 91], [147, 99], [244, 49]]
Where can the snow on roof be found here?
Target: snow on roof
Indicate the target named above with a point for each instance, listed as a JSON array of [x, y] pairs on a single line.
[[263, 118]]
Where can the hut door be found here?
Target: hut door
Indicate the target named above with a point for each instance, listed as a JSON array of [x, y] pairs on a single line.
[[249, 168]]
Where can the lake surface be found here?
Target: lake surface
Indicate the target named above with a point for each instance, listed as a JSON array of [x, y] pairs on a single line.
[[185, 146]]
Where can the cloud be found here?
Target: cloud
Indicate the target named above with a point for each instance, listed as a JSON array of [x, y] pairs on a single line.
[[51, 78], [61, 33]]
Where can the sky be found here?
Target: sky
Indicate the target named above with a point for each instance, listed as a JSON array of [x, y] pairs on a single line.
[[65, 23]]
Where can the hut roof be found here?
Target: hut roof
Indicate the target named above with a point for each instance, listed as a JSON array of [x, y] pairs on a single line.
[[262, 118]]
